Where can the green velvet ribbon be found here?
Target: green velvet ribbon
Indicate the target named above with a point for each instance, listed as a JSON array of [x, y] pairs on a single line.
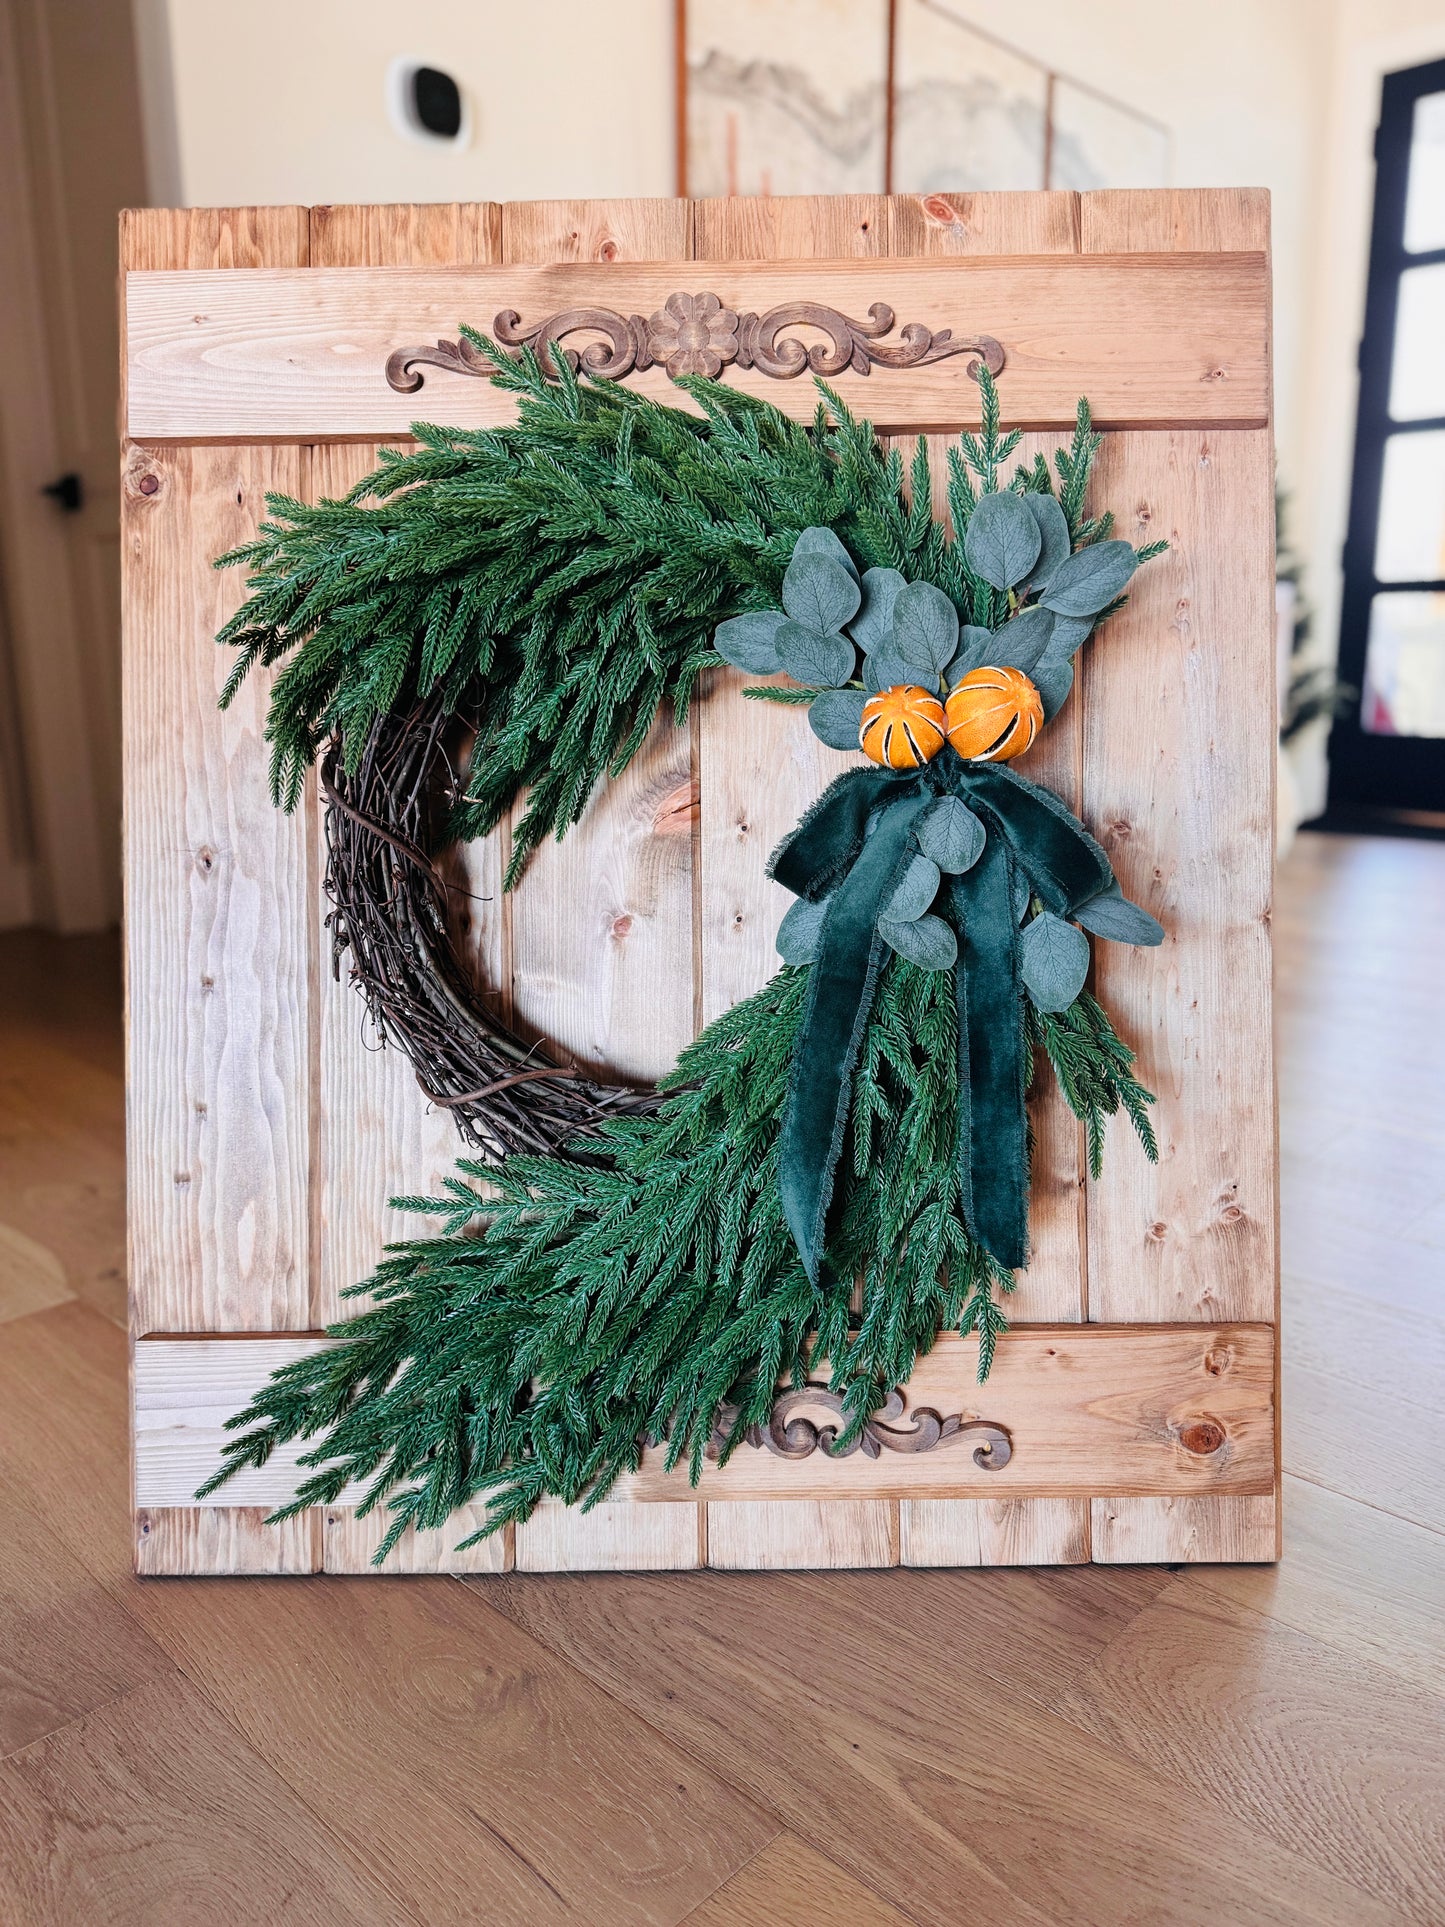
[[993, 1132], [840, 995], [856, 841]]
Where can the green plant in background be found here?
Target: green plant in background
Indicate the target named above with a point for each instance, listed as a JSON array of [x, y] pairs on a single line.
[[1312, 691]]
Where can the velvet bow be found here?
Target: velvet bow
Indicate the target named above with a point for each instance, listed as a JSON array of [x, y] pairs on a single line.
[[855, 843]]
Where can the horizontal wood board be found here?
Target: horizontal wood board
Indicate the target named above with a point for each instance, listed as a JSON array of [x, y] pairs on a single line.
[[1083, 1404], [301, 354], [663, 879]]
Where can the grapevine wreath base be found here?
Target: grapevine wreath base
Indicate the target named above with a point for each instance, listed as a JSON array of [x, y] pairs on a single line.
[[838, 1167]]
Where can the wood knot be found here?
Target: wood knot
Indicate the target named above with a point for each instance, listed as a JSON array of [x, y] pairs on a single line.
[[938, 209], [1202, 1436], [1231, 1214], [1218, 1362], [677, 811], [607, 251], [1157, 1232], [620, 928], [148, 484], [1215, 374]]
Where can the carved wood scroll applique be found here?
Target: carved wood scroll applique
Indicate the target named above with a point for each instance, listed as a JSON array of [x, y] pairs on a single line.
[[694, 334], [811, 1420]]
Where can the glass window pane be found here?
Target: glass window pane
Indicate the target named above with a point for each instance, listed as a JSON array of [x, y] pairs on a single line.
[[1404, 692], [1417, 373], [1410, 540], [1425, 190]]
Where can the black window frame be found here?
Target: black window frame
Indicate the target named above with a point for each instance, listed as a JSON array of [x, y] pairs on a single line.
[[1368, 772]]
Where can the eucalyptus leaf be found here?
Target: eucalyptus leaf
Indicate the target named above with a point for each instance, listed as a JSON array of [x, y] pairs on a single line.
[[1055, 542], [1023, 642], [1089, 581], [888, 671], [871, 626], [823, 662], [914, 893], [929, 943], [825, 543], [925, 627], [1070, 635], [950, 833], [801, 930], [751, 642], [974, 644], [821, 594], [1003, 539], [1053, 680], [1112, 915], [1053, 961], [837, 717]]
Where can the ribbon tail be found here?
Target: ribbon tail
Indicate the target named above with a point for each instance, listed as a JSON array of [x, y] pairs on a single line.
[[993, 1143], [840, 1000], [1063, 862]]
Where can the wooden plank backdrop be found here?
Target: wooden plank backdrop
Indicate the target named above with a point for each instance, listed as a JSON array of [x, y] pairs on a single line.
[[267, 1130], [278, 355]]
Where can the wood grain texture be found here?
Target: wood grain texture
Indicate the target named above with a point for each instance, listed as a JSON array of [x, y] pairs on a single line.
[[994, 1532], [786, 1886], [216, 934], [1183, 800], [217, 965], [68, 1646], [1365, 1583], [153, 1811], [1081, 1403], [465, 1765], [349, 1544], [601, 925], [1167, 338], [193, 1541], [613, 1537], [1216, 1700], [923, 1755]]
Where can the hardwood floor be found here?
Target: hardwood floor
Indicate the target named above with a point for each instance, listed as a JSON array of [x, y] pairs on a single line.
[[1236, 1745]]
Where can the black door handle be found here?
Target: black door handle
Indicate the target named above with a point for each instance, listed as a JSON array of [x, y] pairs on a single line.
[[67, 491]]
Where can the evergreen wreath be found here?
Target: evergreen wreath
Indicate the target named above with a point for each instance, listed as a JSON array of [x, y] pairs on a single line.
[[505, 612]]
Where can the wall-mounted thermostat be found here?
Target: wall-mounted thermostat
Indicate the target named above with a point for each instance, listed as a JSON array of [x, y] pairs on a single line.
[[425, 104]]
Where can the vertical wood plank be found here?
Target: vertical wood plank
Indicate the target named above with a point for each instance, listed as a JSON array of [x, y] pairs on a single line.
[[601, 924], [379, 1137], [968, 1532], [994, 1532], [760, 768], [349, 1544], [197, 1540], [1179, 763], [219, 1075]]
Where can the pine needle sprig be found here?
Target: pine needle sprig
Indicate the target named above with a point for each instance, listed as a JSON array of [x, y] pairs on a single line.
[[1095, 1071]]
